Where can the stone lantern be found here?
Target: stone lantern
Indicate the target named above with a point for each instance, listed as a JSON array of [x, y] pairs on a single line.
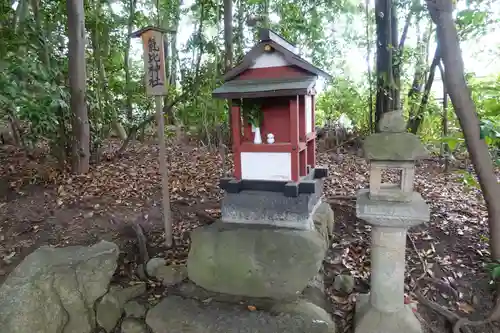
[[391, 209]]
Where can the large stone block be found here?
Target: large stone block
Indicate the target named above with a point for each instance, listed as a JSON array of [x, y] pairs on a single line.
[[271, 208], [254, 261], [54, 289]]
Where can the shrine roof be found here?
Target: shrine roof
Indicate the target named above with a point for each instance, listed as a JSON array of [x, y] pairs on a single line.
[[266, 87], [278, 44]]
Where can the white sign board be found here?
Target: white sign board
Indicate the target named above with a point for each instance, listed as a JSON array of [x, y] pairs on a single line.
[[266, 166], [154, 62]]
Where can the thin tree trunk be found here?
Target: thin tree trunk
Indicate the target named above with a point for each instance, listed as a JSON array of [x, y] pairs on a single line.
[[441, 14], [368, 56], [416, 120], [240, 32], [228, 45], [444, 146], [22, 11], [396, 57], [385, 77], [77, 78], [126, 63]]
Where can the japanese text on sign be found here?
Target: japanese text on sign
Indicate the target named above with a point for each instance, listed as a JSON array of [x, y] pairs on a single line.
[[154, 62]]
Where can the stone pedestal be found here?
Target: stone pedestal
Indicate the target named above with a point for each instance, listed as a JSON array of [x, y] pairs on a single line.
[[270, 209], [383, 310], [273, 203]]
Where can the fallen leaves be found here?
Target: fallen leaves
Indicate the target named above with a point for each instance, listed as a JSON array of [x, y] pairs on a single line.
[[251, 308], [465, 307], [452, 243], [448, 249]]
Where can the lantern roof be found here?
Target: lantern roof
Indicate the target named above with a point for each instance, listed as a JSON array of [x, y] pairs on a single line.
[[266, 87], [271, 41], [393, 143]]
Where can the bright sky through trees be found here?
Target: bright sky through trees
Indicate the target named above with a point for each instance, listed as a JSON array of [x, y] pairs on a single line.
[[480, 55]]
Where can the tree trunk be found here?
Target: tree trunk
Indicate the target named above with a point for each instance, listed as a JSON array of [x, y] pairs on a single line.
[[240, 32], [445, 149], [417, 118], [173, 46], [126, 62], [386, 87], [228, 44], [77, 78], [369, 70], [415, 92], [174, 57], [396, 56], [441, 14]]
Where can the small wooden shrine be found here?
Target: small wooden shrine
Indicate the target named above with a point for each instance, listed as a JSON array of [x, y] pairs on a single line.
[[273, 131]]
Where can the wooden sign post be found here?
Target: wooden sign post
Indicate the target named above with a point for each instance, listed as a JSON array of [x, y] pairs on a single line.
[[155, 80]]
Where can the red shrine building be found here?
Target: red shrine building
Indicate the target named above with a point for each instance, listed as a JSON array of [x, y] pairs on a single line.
[[272, 119]]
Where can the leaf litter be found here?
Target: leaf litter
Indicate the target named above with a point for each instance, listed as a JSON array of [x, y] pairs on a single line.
[[445, 257]]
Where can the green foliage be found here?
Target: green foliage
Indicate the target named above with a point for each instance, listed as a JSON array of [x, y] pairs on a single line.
[[252, 111], [494, 269], [34, 64], [343, 97]]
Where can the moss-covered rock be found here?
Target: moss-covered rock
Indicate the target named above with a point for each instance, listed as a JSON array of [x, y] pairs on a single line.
[[393, 147], [324, 220], [254, 262], [307, 311]]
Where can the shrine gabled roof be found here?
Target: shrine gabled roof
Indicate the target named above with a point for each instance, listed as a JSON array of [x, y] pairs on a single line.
[[279, 44], [266, 87]]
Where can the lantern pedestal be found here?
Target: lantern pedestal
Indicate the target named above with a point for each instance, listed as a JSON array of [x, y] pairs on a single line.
[[383, 310], [370, 320]]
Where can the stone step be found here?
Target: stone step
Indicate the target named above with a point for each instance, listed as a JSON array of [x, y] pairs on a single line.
[[175, 314]]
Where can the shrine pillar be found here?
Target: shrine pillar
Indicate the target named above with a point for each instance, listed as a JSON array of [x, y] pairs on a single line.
[[236, 134], [294, 137]]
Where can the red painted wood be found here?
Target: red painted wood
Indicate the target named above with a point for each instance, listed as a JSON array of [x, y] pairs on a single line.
[[236, 129], [302, 119], [272, 72], [294, 137], [276, 119], [247, 132], [303, 162], [276, 116], [311, 137], [311, 152]]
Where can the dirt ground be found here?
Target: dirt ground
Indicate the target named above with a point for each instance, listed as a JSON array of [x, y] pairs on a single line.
[[446, 256]]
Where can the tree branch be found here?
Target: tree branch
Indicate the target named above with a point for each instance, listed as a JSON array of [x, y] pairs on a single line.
[[136, 128]]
